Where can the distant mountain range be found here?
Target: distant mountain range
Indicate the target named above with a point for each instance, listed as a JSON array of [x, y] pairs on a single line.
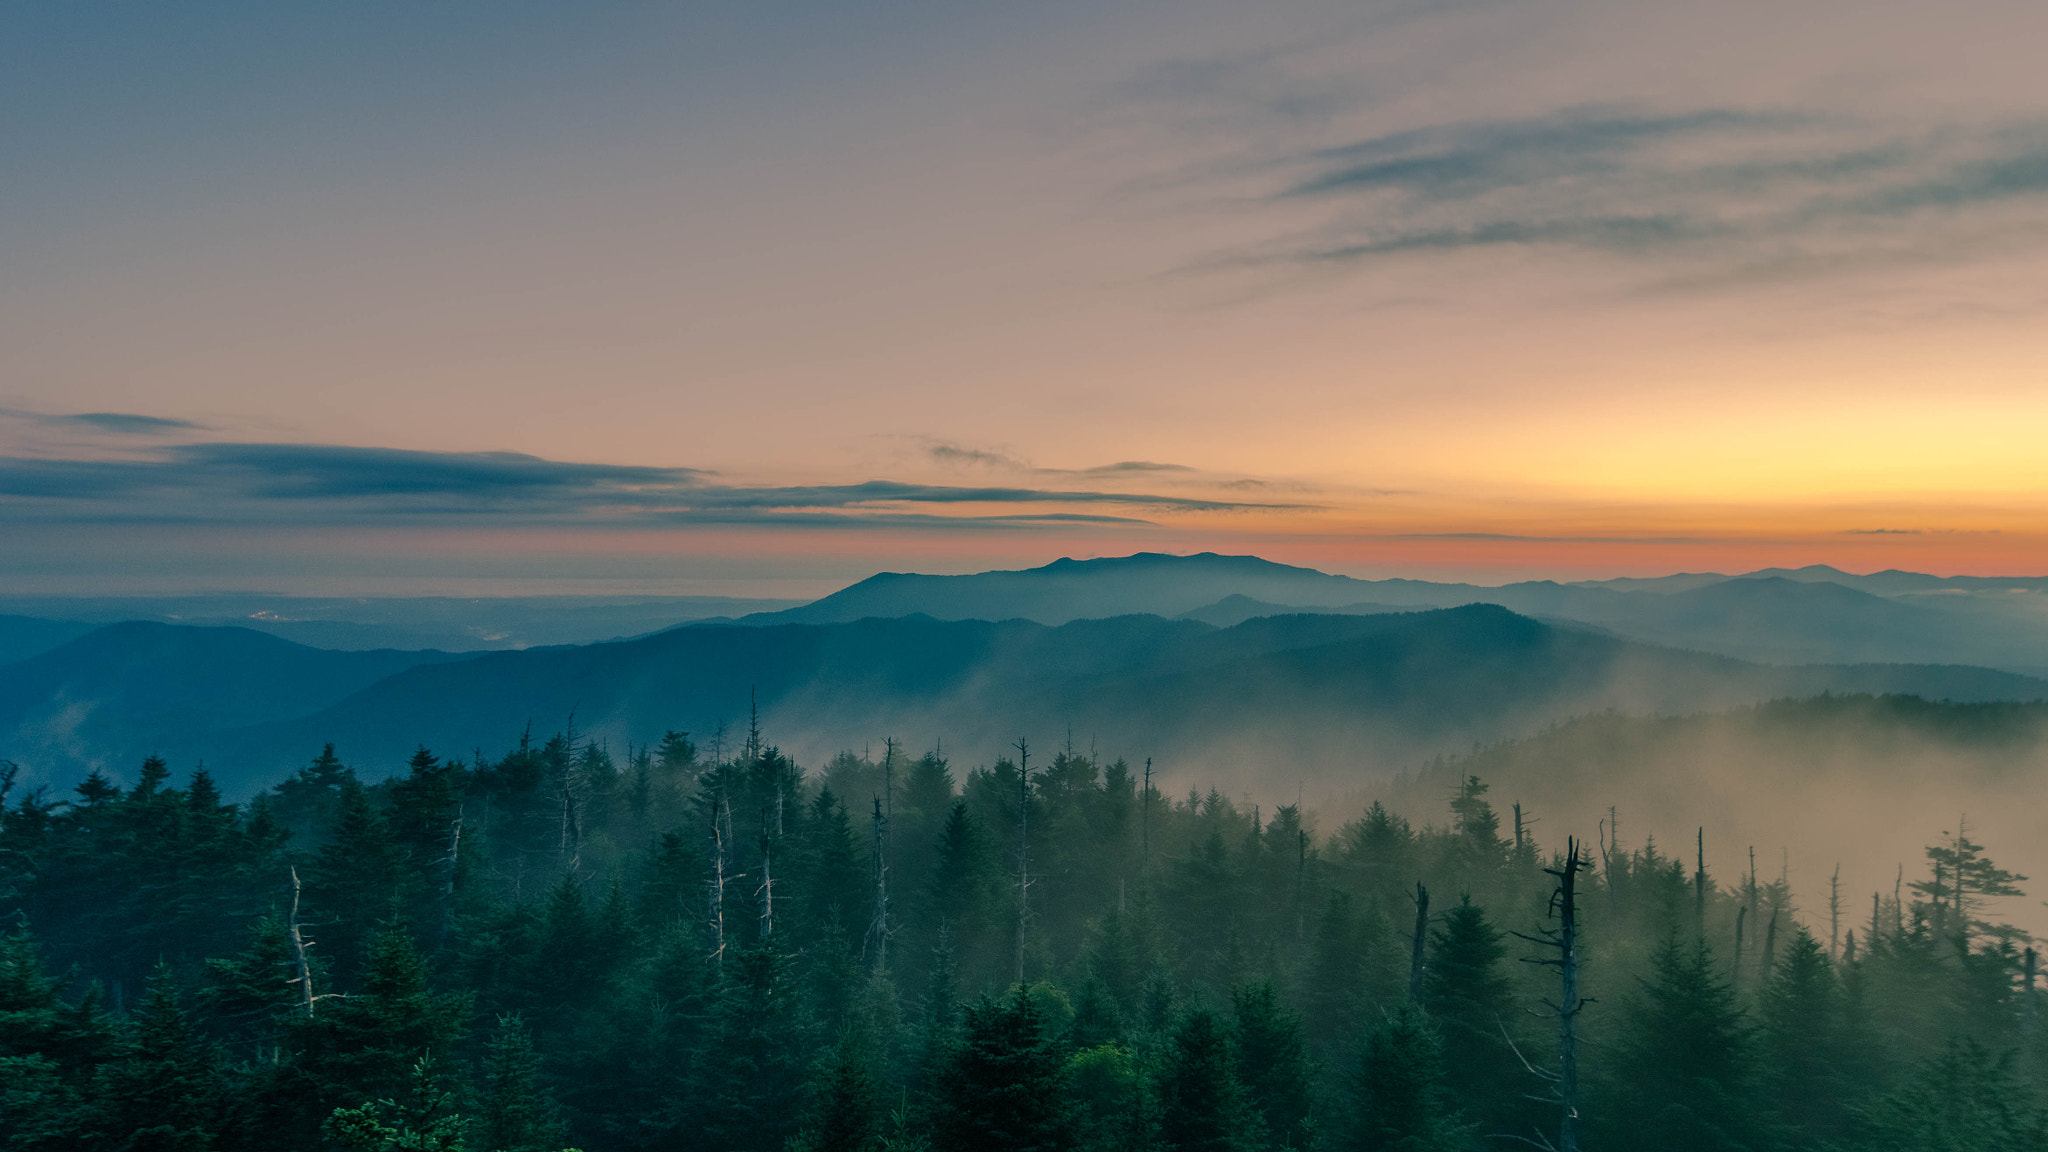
[[1807, 615], [456, 624], [1230, 666], [127, 689], [1268, 702]]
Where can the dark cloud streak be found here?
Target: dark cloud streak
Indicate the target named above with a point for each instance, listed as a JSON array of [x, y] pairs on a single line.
[[118, 423], [268, 482], [1707, 186]]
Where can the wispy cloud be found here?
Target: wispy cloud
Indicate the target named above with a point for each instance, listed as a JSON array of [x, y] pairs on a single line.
[[115, 423], [1711, 186], [949, 454], [255, 482], [943, 452]]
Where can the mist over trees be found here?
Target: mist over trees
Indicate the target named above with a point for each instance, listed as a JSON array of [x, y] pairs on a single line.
[[700, 944]]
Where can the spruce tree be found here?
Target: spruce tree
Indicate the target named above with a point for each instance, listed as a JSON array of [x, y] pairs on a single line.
[[1812, 1065], [747, 1092], [1005, 1087], [1683, 1070], [846, 1110], [1274, 1065], [165, 1091], [516, 1112], [1202, 1105], [1398, 1100], [1107, 1100], [1962, 1100], [354, 881], [1469, 1001]]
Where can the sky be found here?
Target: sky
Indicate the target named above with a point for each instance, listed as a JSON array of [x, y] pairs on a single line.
[[722, 298]]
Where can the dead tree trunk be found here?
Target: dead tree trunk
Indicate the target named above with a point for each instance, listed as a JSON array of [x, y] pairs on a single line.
[[767, 876], [1834, 911], [1610, 854], [1023, 849], [1415, 955], [716, 917], [2029, 964], [1741, 915], [303, 971], [1699, 885], [1564, 942], [878, 930], [1145, 821]]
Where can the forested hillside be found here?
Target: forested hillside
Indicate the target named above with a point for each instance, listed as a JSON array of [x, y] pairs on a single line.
[[1846, 782], [698, 946], [1269, 703]]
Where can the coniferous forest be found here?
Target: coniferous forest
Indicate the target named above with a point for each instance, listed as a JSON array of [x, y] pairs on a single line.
[[696, 946]]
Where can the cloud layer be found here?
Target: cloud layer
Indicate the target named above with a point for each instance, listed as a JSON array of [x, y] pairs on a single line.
[[254, 482], [1720, 185]]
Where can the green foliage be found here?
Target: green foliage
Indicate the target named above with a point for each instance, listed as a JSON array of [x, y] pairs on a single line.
[[1006, 1085], [506, 955], [516, 1113], [1398, 1097], [1963, 1100], [1202, 1106], [422, 1120], [1274, 1065], [1686, 1058]]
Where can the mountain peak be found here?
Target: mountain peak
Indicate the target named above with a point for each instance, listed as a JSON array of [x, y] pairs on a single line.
[[1156, 583]]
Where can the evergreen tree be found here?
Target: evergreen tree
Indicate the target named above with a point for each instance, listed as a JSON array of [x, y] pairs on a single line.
[[1962, 1100], [1812, 1064], [846, 1113], [1684, 1068], [517, 1113], [421, 1119], [1274, 1065], [1202, 1105], [1006, 1085], [1106, 1096], [1398, 1098], [1469, 1000], [354, 881], [747, 1093], [164, 1091], [368, 1044]]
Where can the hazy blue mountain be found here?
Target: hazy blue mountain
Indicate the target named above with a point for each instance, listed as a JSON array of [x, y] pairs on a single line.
[[1816, 614], [456, 624], [1307, 697], [1066, 589], [1234, 610], [25, 636], [122, 691]]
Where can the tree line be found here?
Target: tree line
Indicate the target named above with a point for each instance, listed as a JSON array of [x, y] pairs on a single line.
[[685, 947]]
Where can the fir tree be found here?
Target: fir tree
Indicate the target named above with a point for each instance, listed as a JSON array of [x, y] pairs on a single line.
[[517, 1113], [1812, 1064], [1398, 1099], [165, 1091], [1006, 1085], [1963, 1099], [1202, 1106], [1274, 1065], [1684, 1068], [846, 1115], [354, 881], [1469, 1000]]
